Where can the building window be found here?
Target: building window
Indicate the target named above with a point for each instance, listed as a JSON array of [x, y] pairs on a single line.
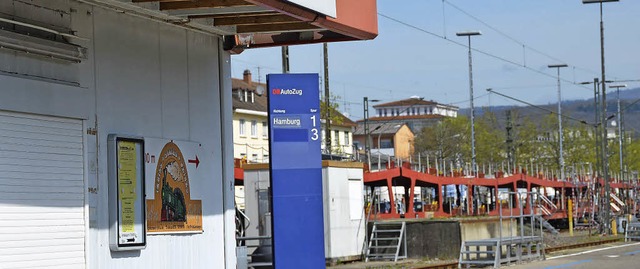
[[254, 157], [265, 129], [254, 128], [265, 158], [386, 144], [241, 128], [336, 137], [346, 138]]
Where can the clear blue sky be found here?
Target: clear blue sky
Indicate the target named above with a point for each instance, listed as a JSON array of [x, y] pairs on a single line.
[[403, 62]]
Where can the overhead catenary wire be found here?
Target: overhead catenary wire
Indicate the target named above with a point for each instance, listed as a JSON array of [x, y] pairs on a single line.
[[474, 49], [540, 108], [466, 101], [254, 65], [512, 38]]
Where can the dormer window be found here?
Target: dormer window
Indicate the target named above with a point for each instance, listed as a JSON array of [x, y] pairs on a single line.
[[239, 93]]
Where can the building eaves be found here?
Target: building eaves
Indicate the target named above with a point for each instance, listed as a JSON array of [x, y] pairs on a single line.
[[413, 102], [406, 102], [377, 128], [402, 118]]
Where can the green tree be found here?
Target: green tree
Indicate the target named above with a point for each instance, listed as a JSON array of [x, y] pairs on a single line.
[[334, 119], [578, 146], [632, 156], [333, 106], [526, 140], [490, 140], [445, 140]]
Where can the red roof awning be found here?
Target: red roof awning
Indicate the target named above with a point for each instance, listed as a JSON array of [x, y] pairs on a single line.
[[356, 20], [260, 23]]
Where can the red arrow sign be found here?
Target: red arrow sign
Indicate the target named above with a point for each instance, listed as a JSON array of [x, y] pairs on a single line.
[[196, 161]]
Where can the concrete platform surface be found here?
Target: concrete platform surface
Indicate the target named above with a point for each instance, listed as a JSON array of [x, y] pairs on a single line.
[[618, 255]]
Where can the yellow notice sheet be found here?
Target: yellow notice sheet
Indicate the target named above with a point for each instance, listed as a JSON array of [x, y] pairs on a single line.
[[127, 182]]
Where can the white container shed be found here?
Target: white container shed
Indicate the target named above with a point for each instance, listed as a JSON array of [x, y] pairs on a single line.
[[344, 219]]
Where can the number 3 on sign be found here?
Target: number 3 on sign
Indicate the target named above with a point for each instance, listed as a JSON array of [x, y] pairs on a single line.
[[314, 131]]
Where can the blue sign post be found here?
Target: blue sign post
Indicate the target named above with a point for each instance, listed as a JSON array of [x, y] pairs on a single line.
[[296, 171]]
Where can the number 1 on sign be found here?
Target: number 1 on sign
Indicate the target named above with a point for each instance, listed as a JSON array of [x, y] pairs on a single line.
[[313, 119]]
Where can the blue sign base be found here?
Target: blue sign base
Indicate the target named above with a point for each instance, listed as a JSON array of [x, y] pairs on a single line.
[[296, 171]]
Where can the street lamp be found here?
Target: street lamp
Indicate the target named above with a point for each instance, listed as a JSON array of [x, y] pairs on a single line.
[[605, 161], [469, 34], [560, 136]]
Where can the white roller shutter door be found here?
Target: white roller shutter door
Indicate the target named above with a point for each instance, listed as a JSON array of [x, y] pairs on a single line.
[[42, 223]]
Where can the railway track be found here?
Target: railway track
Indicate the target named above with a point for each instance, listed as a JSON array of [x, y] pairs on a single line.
[[582, 245], [452, 265]]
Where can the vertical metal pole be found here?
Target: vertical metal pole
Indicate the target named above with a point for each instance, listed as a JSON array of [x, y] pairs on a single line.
[[285, 59], [510, 147], [327, 99], [560, 133], [605, 156], [473, 134], [620, 132], [621, 149], [367, 146], [597, 126]]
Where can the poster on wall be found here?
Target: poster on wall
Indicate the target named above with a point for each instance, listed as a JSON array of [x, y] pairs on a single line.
[[126, 193], [172, 186]]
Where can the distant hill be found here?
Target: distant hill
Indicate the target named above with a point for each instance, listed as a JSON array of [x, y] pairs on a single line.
[[579, 109]]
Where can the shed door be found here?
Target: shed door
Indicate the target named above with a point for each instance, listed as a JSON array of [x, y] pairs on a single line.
[[42, 220]]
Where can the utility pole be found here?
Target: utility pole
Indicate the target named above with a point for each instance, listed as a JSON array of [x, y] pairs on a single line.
[[327, 99], [472, 113], [367, 146], [560, 132], [621, 140], [510, 147], [605, 157], [285, 59], [598, 125]]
